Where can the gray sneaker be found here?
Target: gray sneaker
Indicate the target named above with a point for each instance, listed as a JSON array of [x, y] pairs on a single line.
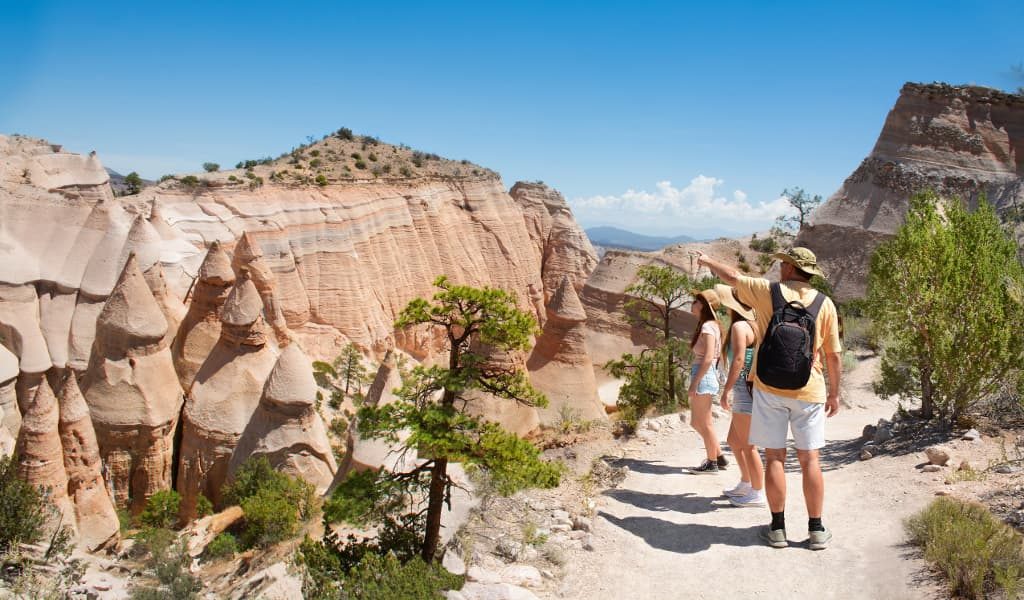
[[819, 539], [776, 538]]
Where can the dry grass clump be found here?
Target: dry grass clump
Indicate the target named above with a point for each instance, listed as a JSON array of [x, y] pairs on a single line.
[[976, 552]]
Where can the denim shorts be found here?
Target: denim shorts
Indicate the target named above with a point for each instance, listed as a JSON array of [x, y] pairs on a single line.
[[709, 383], [742, 399]]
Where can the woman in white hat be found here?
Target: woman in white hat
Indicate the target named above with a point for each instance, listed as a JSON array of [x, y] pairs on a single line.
[[739, 345]]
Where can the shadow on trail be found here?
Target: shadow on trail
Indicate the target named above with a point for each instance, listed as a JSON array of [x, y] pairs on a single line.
[[651, 467], [686, 503], [684, 538]]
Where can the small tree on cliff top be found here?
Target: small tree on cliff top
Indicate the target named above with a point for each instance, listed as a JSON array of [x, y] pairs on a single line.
[[653, 378], [946, 293], [440, 430]]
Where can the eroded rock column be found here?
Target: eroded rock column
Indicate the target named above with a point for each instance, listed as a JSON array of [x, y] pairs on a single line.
[[226, 391], [132, 391], [98, 525], [286, 428]]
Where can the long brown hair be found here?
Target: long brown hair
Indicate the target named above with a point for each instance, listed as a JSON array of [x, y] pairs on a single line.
[[734, 317], [706, 314]]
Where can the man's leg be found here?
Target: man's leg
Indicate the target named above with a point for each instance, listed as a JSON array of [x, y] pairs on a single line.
[[775, 479], [808, 422], [769, 426], [814, 483]]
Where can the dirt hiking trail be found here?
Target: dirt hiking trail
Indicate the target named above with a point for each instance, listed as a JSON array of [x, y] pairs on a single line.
[[665, 534]]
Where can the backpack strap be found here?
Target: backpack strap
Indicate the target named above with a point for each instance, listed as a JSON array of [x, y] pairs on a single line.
[[815, 306], [778, 301]]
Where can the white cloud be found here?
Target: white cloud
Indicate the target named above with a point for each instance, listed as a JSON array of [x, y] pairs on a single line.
[[697, 209]]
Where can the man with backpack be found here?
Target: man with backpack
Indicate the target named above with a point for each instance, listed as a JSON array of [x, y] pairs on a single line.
[[796, 323]]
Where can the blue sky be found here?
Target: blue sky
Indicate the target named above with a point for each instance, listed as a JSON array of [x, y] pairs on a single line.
[[662, 117]]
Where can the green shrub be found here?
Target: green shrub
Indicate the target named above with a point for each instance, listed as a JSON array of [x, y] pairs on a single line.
[[23, 507], [948, 293], [168, 563], [211, 167], [321, 180], [976, 552], [189, 182], [270, 517], [133, 183], [315, 163], [344, 134], [360, 164], [405, 171], [164, 178], [273, 502], [372, 157], [314, 153], [356, 156], [375, 577], [223, 545], [203, 506], [766, 245], [161, 510]]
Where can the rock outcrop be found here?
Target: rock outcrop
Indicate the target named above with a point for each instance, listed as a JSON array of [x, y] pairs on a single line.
[[41, 457], [961, 141], [362, 454], [201, 327], [248, 258], [559, 364], [226, 391], [98, 525], [563, 248], [132, 391], [286, 428], [347, 258], [10, 414], [610, 333]]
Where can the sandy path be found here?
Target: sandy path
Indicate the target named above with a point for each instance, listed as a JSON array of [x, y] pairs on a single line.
[[663, 534]]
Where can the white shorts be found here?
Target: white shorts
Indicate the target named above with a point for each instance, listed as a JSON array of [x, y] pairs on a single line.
[[773, 416]]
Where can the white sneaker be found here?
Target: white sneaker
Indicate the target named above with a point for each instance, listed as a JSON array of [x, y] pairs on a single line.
[[742, 489], [752, 498]]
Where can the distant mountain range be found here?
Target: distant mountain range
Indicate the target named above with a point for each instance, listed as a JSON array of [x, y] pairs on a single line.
[[613, 237]]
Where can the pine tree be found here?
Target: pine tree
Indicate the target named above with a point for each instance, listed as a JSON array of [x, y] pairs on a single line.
[[946, 295], [653, 377], [440, 430]]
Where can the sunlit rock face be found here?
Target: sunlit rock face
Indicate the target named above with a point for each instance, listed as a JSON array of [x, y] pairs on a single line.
[[97, 521], [560, 365], [132, 391], [286, 428], [223, 397], [961, 141]]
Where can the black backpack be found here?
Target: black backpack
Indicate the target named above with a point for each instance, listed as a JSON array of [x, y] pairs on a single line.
[[787, 352]]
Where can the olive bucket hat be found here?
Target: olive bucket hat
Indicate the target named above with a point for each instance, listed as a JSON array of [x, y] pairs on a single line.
[[801, 258]]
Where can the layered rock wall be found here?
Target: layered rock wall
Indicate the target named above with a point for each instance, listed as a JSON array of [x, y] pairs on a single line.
[[961, 141]]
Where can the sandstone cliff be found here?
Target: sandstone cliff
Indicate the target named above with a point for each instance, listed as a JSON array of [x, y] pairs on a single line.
[[145, 297], [961, 141]]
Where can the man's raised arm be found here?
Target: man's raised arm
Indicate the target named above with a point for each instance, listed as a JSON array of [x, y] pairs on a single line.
[[724, 272]]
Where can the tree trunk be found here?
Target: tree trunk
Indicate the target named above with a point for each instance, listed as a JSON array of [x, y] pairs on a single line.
[[435, 505], [927, 400]]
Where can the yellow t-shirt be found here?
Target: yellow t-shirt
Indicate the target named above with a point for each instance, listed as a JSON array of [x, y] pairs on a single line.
[[756, 293]]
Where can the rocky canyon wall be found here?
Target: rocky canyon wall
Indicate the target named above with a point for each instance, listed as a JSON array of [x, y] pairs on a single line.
[[961, 141], [158, 304]]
